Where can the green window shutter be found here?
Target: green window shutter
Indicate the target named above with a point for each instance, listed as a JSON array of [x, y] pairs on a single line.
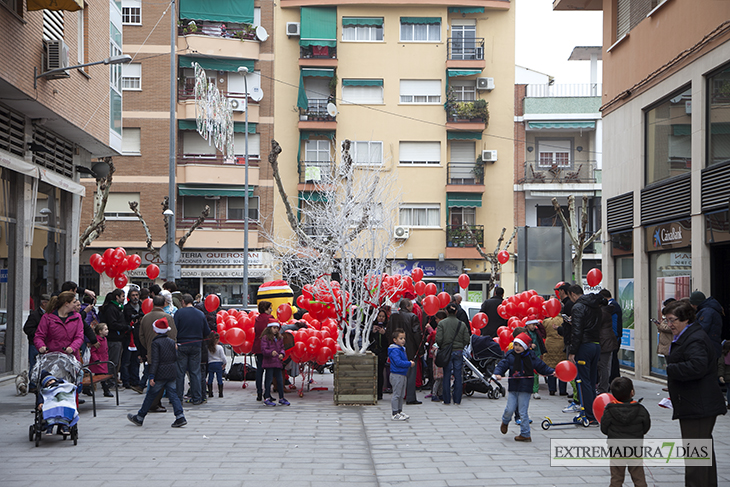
[[462, 200], [466, 10], [453, 73], [213, 190], [420, 20], [238, 11], [561, 125], [318, 26], [187, 125], [320, 73], [362, 82], [361, 21], [463, 135], [240, 127], [215, 64], [314, 196]]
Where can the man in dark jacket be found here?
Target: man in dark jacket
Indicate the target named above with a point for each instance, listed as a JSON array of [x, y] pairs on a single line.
[[119, 330], [163, 375], [460, 312], [489, 307], [408, 322], [29, 328], [130, 355], [144, 345], [192, 329], [709, 316], [585, 350], [452, 331], [617, 322]]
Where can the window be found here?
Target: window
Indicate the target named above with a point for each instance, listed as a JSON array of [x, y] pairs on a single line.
[[132, 12], [364, 95], [463, 40], [464, 90], [132, 77], [82, 32], [317, 150], [462, 162], [718, 138], [420, 215], [554, 152], [14, 6], [362, 29], [629, 13], [459, 216], [131, 141], [254, 145], [117, 206], [415, 29], [194, 144], [668, 128], [420, 91], [419, 153], [367, 152], [236, 207], [547, 217], [374, 213], [193, 206]]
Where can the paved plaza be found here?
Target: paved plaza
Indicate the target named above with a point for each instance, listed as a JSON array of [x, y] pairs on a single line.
[[236, 441]]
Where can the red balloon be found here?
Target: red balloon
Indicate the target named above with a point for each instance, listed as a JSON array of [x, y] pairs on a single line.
[[522, 309], [504, 340], [118, 255], [431, 305], [108, 255], [594, 277], [313, 343], [444, 299], [212, 302], [301, 302], [480, 320], [566, 371], [147, 305], [417, 274], [94, 260], [235, 336], [552, 307], [499, 330], [283, 312], [111, 272], [431, 289], [536, 301], [152, 271], [324, 355], [247, 346], [556, 288], [510, 308], [503, 257], [464, 281], [420, 288], [134, 261], [120, 281], [502, 311], [599, 404]]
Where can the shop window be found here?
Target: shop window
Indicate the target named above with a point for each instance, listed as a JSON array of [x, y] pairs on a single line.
[[668, 139], [718, 116]]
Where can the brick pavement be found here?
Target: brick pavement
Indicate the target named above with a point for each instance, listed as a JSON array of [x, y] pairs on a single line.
[[238, 442]]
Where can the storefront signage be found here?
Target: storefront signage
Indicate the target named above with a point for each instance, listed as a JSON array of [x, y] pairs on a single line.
[[205, 257], [431, 268], [210, 272], [683, 259], [668, 236]]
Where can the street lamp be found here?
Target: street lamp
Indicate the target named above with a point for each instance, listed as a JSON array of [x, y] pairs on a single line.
[[243, 70], [123, 59]]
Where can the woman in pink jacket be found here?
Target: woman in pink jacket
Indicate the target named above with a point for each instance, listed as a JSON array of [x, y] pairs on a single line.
[[61, 328]]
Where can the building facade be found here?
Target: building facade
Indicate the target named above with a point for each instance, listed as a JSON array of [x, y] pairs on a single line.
[[422, 91], [54, 125], [221, 37], [666, 156]]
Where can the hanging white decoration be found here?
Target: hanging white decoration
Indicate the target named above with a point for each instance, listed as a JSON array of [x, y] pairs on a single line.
[[213, 114]]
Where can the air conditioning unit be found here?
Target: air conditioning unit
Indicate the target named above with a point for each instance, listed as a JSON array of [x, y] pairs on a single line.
[[402, 233], [238, 105], [292, 29], [56, 58], [485, 84], [489, 156]]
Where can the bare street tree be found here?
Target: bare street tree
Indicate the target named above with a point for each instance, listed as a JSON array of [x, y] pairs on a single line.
[[579, 235]]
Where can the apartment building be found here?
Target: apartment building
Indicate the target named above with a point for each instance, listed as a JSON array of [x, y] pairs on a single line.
[[666, 156], [424, 93], [221, 37], [55, 124]]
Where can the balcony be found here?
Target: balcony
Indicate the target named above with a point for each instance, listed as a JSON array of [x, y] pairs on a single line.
[[186, 106], [463, 176], [576, 173], [218, 39], [315, 172], [464, 236], [467, 115], [215, 169], [566, 90], [314, 56], [465, 53], [316, 111]]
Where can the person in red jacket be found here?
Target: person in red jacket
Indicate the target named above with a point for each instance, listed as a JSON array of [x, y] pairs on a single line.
[[61, 329], [262, 321]]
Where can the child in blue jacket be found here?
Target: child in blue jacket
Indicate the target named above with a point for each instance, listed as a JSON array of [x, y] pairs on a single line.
[[522, 365], [399, 365]]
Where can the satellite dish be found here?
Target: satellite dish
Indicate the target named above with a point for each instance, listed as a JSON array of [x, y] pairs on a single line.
[[332, 109], [261, 33], [257, 94]]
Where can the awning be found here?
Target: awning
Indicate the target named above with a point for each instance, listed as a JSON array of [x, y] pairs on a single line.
[[302, 100], [463, 135], [561, 125], [362, 21], [470, 200], [313, 196], [238, 11], [68, 5], [362, 82], [318, 26], [453, 73], [213, 190], [466, 10], [420, 20], [320, 73], [215, 64]]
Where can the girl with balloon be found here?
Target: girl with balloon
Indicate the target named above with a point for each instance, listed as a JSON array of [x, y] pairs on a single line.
[[272, 349]]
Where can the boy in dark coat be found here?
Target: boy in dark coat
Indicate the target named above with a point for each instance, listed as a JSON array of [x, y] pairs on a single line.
[[162, 374], [625, 420]]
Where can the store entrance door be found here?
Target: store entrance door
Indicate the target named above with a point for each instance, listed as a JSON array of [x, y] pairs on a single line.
[[720, 285]]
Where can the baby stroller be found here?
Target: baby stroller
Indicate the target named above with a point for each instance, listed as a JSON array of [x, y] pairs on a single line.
[[59, 377], [480, 358]]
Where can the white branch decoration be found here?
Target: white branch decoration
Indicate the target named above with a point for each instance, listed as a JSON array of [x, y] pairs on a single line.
[[213, 114]]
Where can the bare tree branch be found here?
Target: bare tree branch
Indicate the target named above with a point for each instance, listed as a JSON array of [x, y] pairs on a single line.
[[198, 222], [496, 267], [98, 223], [577, 235], [134, 206]]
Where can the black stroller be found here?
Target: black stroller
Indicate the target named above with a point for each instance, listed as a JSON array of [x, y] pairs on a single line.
[[58, 377], [480, 358]]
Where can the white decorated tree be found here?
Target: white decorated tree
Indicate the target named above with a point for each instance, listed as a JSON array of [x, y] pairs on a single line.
[[347, 232]]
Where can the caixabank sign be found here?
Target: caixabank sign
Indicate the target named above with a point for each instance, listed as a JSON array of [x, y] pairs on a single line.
[[667, 236]]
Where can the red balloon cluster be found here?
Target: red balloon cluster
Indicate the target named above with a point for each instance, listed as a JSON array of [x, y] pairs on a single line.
[[114, 263], [235, 327], [520, 308], [318, 343], [323, 299]]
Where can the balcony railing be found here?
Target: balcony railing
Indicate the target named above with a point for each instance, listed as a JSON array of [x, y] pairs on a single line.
[[316, 111], [317, 52], [459, 236], [577, 172], [563, 90], [315, 172], [467, 111], [464, 173], [216, 224], [465, 49], [253, 160], [188, 93], [217, 29]]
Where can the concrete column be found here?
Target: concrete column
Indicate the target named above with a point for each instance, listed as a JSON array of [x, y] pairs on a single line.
[[19, 293], [700, 250], [642, 345]]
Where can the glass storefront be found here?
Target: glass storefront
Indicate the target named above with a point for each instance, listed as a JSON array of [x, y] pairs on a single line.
[[668, 137], [718, 133], [47, 268], [229, 290], [624, 295], [7, 237]]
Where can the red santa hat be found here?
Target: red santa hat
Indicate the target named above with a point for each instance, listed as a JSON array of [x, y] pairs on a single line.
[[161, 326], [524, 340]]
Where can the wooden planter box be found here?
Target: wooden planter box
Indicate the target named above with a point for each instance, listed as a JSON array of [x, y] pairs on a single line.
[[356, 379]]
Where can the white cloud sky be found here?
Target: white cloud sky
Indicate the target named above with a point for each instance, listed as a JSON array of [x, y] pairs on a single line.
[[545, 39]]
